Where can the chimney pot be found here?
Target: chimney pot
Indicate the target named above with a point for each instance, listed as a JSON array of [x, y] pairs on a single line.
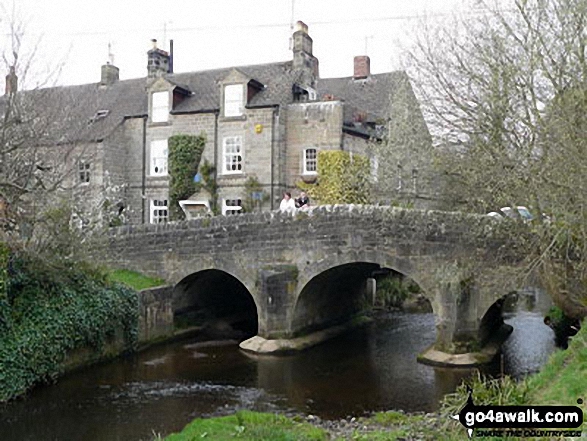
[[301, 26], [362, 64], [154, 43]]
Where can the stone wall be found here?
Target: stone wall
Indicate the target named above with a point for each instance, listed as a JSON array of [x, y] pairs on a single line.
[[438, 250], [155, 314]]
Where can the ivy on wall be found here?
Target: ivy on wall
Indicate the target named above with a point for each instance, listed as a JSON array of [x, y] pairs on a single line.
[[208, 172], [50, 310], [343, 178], [185, 152]]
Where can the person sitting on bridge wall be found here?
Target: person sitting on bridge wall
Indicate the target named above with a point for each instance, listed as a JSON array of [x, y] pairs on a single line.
[[303, 202], [287, 204]]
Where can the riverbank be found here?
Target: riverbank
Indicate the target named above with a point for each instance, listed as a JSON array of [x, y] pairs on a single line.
[[563, 380], [56, 317]]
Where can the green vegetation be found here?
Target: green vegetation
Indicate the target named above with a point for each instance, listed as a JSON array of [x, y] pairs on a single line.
[[392, 291], [247, 425], [185, 152], [134, 280], [343, 178], [209, 184], [250, 204], [47, 311]]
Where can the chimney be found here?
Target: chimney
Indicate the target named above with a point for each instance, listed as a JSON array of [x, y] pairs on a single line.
[[303, 59], [157, 61], [110, 74], [11, 82], [362, 67]]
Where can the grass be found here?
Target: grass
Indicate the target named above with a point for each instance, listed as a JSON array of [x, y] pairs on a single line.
[[564, 379], [246, 425], [136, 281]]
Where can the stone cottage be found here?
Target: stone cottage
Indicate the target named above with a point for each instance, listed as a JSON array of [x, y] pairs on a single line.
[[268, 121]]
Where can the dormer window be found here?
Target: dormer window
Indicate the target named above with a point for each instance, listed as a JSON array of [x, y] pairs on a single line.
[[233, 100], [160, 107]]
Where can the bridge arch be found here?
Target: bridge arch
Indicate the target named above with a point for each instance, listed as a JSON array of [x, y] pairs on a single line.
[[217, 300], [319, 303]]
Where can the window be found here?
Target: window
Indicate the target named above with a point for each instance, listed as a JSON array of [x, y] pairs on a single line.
[[400, 182], [231, 206], [84, 172], [233, 100], [310, 161], [160, 107], [415, 180], [159, 158], [233, 155], [159, 211]]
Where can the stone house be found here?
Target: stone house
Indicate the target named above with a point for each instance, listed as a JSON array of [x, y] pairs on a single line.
[[268, 121]]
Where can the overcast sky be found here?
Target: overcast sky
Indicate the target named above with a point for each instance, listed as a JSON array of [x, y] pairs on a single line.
[[218, 33]]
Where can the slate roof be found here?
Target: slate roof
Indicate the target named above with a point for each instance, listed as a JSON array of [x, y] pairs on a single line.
[[70, 112], [278, 79], [371, 96]]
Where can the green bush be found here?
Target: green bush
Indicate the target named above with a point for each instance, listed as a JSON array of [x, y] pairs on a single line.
[[343, 178], [392, 291], [48, 311], [185, 152]]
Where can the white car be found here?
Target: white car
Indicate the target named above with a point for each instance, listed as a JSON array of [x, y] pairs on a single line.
[[519, 212]]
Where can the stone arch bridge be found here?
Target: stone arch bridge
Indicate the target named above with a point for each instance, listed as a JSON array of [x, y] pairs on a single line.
[[309, 272]]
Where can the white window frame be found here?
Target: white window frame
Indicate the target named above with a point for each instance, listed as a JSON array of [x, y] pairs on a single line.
[[158, 211], [158, 155], [84, 172], [160, 106], [232, 155], [232, 204], [307, 161], [234, 97]]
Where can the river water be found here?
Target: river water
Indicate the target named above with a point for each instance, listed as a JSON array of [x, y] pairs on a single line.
[[162, 389]]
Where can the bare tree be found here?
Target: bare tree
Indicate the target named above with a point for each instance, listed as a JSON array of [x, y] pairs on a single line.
[[40, 148], [505, 97]]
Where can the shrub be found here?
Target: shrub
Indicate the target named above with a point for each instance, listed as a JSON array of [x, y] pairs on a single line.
[[48, 311]]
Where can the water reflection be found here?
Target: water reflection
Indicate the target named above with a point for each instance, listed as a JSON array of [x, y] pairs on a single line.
[[373, 368]]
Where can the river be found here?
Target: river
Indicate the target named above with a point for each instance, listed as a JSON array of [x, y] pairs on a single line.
[[162, 389]]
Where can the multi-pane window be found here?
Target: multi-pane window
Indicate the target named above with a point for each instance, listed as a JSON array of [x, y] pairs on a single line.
[[231, 206], [160, 107], [233, 100], [310, 161], [159, 211], [84, 172], [233, 155], [158, 158]]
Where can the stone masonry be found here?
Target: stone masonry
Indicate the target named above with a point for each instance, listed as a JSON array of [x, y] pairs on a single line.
[[309, 272]]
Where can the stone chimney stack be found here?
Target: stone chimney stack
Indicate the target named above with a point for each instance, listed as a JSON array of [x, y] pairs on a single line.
[[362, 67], [110, 74], [303, 59], [158, 61], [11, 82]]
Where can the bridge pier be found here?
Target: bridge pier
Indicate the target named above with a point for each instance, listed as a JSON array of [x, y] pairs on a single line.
[[284, 328], [277, 291], [461, 337]]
